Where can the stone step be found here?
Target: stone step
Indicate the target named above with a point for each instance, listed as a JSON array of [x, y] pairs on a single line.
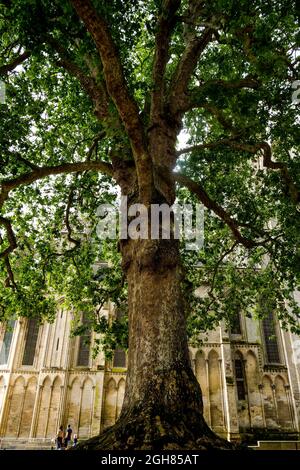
[[276, 445], [28, 444]]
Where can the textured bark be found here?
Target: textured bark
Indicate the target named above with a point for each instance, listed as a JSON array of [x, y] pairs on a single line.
[[119, 93], [163, 405]]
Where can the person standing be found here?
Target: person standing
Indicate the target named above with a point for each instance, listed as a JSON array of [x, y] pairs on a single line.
[[59, 438], [68, 435], [75, 440]]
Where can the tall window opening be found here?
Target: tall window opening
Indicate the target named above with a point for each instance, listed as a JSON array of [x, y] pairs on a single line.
[[240, 377], [270, 337], [83, 358], [31, 341], [235, 324], [5, 348]]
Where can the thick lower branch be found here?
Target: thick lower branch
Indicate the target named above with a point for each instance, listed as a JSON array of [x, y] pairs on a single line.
[[11, 237], [197, 189], [10, 67], [266, 150]]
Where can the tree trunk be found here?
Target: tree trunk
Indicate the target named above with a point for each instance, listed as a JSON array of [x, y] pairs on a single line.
[[163, 405]]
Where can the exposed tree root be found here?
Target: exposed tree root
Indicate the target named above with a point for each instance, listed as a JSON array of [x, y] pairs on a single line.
[[156, 432]]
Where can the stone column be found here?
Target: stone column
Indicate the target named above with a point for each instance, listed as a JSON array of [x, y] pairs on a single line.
[[224, 401], [99, 399], [289, 342], [208, 392], [246, 376], [36, 411], [48, 411], [275, 402], [79, 412], [260, 387], [92, 410], [5, 409], [61, 406], [229, 392], [22, 408], [290, 405]]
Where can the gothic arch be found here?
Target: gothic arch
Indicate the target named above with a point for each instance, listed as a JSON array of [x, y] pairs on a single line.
[[251, 352], [279, 377], [213, 353], [201, 375], [18, 379], [239, 355], [283, 410], [74, 404], [54, 406], [241, 390], [254, 397], [215, 390], [252, 373], [46, 381], [27, 411], [110, 402], [199, 363], [15, 407], [44, 405], [269, 405], [120, 396], [75, 379], [86, 409]]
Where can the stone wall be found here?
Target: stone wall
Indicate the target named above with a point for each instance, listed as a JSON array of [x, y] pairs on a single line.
[[35, 400]]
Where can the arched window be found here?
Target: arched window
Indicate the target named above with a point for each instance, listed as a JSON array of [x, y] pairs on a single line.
[[270, 337], [5, 348], [30, 343], [240, 377], [83, 358]]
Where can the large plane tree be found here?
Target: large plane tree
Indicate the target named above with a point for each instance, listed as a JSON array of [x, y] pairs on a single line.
[[97, 95]]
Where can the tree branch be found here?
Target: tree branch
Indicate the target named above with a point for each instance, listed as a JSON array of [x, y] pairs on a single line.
[[185, 69], [208, 145], [118, 90], [266, 150], [6, 68], [202, 195], [269, 163], [94, 145], [10, 280], [247, 82], [23, 160], [219, 115], [216, 267], [42, 172], [10, 235], [89, 84], [28, 178], [162, 42], [75, 242]]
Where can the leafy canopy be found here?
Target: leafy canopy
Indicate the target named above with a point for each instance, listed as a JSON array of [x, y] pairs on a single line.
[[241, 159]]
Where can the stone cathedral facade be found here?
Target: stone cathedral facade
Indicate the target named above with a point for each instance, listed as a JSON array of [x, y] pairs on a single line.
[[249, 376]]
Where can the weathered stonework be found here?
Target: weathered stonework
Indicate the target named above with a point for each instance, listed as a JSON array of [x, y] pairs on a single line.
[[35, 400]]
